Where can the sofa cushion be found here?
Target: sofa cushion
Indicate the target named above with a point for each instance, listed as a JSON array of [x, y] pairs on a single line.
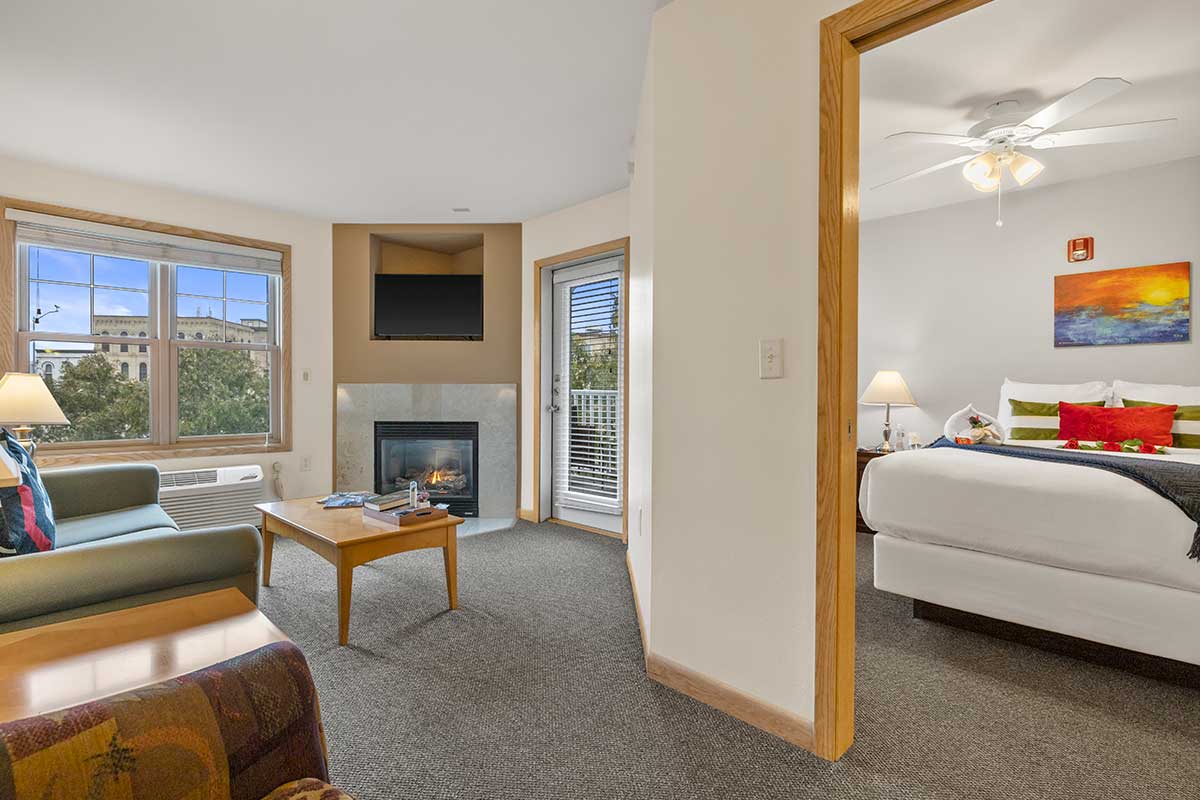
[[232, 731], [308, 789], [93, 527], [28, 519]]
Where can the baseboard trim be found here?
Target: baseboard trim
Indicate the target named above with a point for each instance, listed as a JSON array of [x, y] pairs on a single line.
[[581, 527], [527, 514], [637, 607], [734, 702]]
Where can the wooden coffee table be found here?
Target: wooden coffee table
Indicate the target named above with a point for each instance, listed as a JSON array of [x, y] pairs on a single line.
[[57, 666], [344, 538]]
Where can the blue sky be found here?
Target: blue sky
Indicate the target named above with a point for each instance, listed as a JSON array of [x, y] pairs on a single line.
[[120, 288]]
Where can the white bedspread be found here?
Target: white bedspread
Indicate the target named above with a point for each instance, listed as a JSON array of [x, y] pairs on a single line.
[[1063, 515]]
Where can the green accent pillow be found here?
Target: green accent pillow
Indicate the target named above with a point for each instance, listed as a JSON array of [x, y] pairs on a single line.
[[1040, 421], [1180, 437]]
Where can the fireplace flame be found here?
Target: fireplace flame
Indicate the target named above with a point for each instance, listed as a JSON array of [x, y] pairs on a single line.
[[436, 477]]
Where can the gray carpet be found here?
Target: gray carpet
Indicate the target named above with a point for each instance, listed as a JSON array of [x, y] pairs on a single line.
[[536, 689]]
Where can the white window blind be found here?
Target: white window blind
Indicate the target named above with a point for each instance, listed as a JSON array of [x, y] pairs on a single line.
[[589, 370], [95, 237]]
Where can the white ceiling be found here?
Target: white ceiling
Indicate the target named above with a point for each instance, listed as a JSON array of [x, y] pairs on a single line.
[[942, 78], [353, 110]]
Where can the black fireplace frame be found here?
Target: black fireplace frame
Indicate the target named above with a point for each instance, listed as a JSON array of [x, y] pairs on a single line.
[[462, 505]]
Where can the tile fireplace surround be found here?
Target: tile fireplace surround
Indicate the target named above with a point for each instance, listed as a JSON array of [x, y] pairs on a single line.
[[492, 405]]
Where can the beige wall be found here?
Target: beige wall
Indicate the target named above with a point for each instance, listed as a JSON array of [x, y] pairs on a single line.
[[468, 262], [733, 215], [641, 351], [395, 258], [399, 259], [312, 402], [597, 221], [359, 359]]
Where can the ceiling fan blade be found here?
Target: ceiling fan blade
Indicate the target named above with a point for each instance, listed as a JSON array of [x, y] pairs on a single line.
[[1107, 134], [927, 171], [1083, 98], [936, 138]]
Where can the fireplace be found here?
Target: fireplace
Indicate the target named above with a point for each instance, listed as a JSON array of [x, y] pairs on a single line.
[[442, 457]]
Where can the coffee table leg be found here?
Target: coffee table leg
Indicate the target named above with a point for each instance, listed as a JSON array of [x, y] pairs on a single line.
[[268, 545], [450, 556], [345, 581]]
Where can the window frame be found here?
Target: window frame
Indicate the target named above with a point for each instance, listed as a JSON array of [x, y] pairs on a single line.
[[162, 345]]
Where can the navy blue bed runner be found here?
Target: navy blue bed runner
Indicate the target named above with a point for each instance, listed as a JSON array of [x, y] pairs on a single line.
[[1176, 481]]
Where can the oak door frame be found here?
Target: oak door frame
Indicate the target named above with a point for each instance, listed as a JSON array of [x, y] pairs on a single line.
[[844, 37], [596, 250]]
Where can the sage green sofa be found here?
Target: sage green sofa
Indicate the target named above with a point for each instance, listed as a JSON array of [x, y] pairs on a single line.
[[115, 547]]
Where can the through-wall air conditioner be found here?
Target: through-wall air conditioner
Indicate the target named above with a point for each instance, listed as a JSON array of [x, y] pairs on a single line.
[[207, 498]]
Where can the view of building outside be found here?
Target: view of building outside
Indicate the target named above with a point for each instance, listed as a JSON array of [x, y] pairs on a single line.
[[104, 387]]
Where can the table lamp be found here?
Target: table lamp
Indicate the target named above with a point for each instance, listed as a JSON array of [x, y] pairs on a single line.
[[25, 401], [887, 389]]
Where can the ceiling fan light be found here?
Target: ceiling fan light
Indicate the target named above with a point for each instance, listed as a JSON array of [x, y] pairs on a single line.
[[983, 172], [1024, 169]]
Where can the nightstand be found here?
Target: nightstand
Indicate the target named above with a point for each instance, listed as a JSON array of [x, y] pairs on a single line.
[[864, 457]]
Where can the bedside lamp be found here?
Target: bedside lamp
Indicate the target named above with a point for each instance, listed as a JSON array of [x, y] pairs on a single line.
[[25, 401], [887, 389]]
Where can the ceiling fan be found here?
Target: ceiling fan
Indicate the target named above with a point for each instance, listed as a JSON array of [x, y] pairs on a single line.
[[997, 141]]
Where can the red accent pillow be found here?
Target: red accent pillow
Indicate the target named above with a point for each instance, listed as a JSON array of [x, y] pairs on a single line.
[[1151, 424]]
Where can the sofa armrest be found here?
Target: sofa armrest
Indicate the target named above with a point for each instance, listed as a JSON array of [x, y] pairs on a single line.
[[99, 572], [235, 729], [94, 490]]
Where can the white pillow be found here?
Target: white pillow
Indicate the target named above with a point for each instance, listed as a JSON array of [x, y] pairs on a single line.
[[1090, 392], [1171, 394]]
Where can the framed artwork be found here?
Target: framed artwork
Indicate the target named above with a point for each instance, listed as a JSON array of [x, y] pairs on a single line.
[[1135, 305]]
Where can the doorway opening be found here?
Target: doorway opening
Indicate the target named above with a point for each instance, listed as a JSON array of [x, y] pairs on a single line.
[[580, 397], [843, 38]]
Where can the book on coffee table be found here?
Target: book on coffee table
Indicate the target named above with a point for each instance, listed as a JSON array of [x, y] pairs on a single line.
[[384, 502], [404, 517]]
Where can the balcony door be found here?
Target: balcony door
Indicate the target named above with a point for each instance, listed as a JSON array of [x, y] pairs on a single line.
[[586, 394]]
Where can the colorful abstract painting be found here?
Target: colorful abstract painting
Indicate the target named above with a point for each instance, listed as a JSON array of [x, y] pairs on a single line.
[[1137, 305]]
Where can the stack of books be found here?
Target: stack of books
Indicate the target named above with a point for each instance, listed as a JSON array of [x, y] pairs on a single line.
[[386, 502], [397, 509]]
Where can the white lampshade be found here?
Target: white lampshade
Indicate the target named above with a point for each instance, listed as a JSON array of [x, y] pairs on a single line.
[[887, 388], [26, 400], [1024, 169], [983, 172]]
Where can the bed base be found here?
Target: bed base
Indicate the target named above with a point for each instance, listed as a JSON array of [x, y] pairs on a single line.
[[1157, 667], [1132, 625]]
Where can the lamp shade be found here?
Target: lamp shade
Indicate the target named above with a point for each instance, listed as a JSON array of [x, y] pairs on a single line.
[[887, 388], [26, 400]]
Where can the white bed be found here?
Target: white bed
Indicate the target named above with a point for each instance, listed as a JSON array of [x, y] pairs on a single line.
[[1075, 550]]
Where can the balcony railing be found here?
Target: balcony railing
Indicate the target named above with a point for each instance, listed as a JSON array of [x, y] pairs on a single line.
[[594, 467]]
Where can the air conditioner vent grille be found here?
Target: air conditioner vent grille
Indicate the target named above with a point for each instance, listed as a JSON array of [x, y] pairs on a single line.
[[191, 477], [206, 498]]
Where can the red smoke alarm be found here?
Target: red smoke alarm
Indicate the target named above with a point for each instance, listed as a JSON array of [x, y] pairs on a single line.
[[1081, 249]]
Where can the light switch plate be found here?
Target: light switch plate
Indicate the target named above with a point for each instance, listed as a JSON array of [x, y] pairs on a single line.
[[770, 358]]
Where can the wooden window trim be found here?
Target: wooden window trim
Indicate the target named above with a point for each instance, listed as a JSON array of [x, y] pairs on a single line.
[[843, 37], [142, 450]]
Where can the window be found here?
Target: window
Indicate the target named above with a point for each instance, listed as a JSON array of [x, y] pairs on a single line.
[[204, 316]]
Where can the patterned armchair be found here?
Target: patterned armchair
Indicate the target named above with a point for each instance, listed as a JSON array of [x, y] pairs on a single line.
[[246, 729]]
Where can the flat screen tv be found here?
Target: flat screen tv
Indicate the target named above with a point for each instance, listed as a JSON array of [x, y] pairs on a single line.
[[429, 307]]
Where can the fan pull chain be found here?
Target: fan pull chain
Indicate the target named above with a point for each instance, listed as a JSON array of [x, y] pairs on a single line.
[[999, 191]]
